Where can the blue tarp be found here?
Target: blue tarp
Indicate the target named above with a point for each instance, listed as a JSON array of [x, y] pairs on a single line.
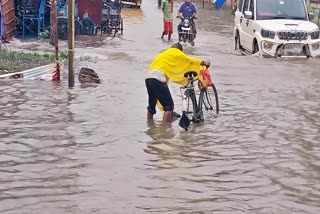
[[220, 3], [2, 32]]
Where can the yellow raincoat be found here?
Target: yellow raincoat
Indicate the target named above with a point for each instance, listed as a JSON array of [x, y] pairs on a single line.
[[174, 64]]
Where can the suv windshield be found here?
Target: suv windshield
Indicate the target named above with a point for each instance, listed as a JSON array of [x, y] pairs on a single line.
[[281, 9]]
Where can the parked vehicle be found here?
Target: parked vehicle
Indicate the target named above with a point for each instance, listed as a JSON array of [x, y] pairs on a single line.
[[276, 28], [112, 22], [132, 3], [62, 20]]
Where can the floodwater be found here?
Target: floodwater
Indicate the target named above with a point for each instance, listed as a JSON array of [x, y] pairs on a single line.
[[91, 150]]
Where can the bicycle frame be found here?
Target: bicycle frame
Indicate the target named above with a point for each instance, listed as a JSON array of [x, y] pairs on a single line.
[[189, 91], [188, 94]]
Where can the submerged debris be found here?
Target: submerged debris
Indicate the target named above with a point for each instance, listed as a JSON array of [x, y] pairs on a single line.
[[87, 75]]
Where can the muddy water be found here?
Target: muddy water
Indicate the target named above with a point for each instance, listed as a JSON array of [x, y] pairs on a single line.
[[90, 149]]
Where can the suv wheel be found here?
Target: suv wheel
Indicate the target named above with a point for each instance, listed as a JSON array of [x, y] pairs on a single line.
[[255, 47]]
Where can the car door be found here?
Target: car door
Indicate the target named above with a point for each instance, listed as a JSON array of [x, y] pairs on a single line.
[[249, 31], [244, 25]]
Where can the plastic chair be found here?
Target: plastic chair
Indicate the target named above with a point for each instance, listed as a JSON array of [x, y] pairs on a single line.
[[33, 17]]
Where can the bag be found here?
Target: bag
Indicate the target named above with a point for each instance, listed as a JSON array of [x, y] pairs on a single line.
[[204, 79], [184, 121]]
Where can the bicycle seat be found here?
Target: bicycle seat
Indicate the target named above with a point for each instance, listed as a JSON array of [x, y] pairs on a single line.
[[190, 74]]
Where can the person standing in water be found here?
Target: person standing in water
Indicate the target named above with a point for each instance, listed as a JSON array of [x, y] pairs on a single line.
[[167, 19], [170, 64]]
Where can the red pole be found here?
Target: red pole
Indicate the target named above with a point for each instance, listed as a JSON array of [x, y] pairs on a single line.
[[54, 34]]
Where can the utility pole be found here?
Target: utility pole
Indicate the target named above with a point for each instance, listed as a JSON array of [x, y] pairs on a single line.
[[71, 42]]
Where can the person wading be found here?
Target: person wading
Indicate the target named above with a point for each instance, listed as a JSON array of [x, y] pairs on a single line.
[[167, 19], [170, 64]]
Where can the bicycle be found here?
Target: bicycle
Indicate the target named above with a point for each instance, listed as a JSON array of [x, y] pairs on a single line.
[[193, 111]]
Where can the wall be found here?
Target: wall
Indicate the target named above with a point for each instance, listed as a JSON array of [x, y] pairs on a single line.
[[91, 9], [8, 17]]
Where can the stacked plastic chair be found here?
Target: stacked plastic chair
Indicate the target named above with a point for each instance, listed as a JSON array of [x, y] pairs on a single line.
[[33, 18]]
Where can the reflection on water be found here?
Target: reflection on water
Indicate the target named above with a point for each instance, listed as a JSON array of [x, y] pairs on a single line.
[[90, 149], [132, 16]]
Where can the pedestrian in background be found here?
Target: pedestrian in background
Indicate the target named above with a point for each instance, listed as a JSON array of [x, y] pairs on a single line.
[[167, 19]]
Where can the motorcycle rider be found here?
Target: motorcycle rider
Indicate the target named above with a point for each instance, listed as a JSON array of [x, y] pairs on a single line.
[[187, 10]]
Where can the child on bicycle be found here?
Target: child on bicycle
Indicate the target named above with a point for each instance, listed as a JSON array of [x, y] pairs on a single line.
[[171, 64]]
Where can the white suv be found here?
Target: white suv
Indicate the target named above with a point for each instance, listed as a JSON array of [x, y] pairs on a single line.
[[276, 28]]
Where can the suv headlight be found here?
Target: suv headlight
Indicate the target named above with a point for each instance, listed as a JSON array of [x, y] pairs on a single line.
[[315, 34], [268, 33]]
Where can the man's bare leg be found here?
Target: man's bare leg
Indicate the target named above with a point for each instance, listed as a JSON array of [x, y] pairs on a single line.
[[149, 116], [167, 116]]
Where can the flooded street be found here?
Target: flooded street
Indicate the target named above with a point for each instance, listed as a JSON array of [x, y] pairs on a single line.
[[91, 150]]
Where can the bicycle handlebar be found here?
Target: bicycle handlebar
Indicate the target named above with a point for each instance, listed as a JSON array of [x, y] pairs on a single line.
[[191, 80]]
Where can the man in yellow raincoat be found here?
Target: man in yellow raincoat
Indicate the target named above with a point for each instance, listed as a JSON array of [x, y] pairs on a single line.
[[171, 64]]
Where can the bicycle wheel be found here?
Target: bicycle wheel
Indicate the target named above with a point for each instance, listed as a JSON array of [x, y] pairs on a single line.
[[206, 102], [31, 27], [191, 106]]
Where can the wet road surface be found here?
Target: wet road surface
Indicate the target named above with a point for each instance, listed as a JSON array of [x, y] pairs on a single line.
[[90, 149]]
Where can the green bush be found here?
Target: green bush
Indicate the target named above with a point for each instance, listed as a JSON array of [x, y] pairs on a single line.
[[44, 35], [16, 56]]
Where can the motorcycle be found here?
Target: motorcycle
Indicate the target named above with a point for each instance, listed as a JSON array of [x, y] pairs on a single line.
[[186, 32]]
